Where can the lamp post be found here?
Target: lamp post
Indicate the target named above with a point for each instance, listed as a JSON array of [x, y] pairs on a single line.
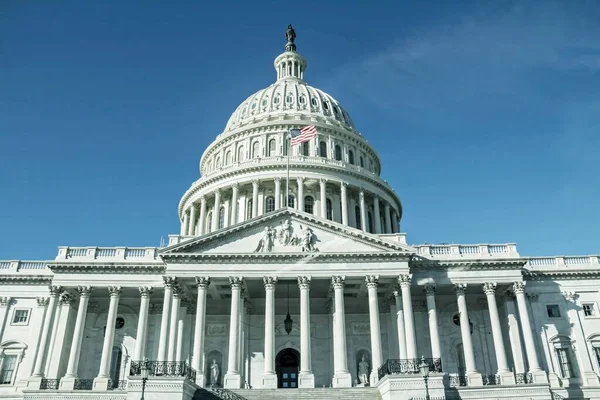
[[424, 367], [144, 373]]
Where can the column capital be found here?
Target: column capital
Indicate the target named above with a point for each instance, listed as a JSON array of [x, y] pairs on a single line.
[[66, 298], [115, 291], [217, 191], [338, 281], [277, 179], [178, 292], [570, 296], [269, 282], [323, 181], [300, 179], [460, 288], [169, 281], [429, 289], [396, 291], [236, 282], [55, 290], [202, 282], [372, 281], [404, 280], [304, 282], [386, 206], [489, 288], [146, 291], [344, 184], [361, 194], [202, 199], [255, 182], [519, 287], [84, 291], [42, 301], [235, 185], [5, 301]]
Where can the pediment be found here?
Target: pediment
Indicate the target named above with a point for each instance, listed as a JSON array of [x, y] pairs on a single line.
[[285, 231]]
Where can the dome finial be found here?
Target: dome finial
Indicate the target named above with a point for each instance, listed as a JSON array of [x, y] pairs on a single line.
[[290, 35]]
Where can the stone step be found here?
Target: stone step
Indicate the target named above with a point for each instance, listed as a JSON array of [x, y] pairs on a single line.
[[289, 394]]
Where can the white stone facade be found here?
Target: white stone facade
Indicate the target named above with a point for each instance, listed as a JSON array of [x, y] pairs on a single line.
[[488, 322]]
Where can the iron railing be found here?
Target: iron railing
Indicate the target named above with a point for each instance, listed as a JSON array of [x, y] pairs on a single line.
[[489, 380], [523, 379], [49, 384], [116, 385], [83, 384], [225, 394], [456, 380], [408, 366], [163, 368]]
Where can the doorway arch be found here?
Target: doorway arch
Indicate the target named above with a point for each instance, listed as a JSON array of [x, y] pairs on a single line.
[[287, 367]]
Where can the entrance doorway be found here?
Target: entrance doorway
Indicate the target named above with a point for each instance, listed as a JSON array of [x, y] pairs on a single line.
[[288, 366]]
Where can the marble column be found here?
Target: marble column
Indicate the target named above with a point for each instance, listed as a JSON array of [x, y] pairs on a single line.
[[142, 327], [405, 282], [192, 227], [202, 219], [377, 358], [506, 376], [433, 321], [322, 192], [40, 358], [344, 201], [376, 213], [185, 224], [306, 379], [300, 199], [175, 304], [232, 379], [341, 377], [269, 380], [101, 381], [180, 328], [513, 333], [388, 218], [68, 381], [400, 322], [474, 378], [62, 322], [164, 321], [278, 193], [5, 303], [216, 210], [199, 331], [363, 211], [255, 198], [538, 375], [234, 203]]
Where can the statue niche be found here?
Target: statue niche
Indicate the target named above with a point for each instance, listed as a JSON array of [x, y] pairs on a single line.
[[363, 367]]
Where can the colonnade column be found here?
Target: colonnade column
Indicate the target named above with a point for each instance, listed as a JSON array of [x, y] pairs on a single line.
[[405, 282], [363, 211], [341, 377], [140, 343], [177, 295], [254, 210], [400, 321], [202, 219], [306, 379], [101, 381], [322, 187], [216, 210], [377, 215], [433, 323], [300, 199], [198, 353], [377, 358], [40, 358], [513, 333], [232, 379], [344, 201], [388, 218], [278, 193], [506, 376], [538, 375], [68, 381], [5, 303], [164, 321], [234, 203], [473, 377], [192, 225], [269, 380], [185, 223]]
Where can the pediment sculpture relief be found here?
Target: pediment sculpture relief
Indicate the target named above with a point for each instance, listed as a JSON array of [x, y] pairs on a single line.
[[286, 235]]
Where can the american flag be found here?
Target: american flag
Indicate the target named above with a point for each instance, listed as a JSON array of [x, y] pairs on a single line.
[[303, 135]]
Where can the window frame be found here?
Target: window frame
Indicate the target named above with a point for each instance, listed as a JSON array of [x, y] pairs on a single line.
[[269, 199], [14, 314], [310, 204], [221, 218], [329, 209], [12, 348], [557, 308], [594, 309]]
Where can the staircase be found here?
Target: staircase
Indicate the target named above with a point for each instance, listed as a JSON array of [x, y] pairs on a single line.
[[290, 394]]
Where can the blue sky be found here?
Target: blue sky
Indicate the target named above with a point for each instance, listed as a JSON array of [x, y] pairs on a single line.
[[486, 116]]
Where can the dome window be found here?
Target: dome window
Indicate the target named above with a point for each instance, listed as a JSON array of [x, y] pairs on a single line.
[[362, 162], [272, 145], [289, 99], [325, 106], [276, 100], [208, 222], [270, 204], [351, 157], [313, 101], [253, 106], [302, 100], [291, 202], [264, 102], [338, 152], [357, 217], [304, 149], [309, 204], [244, 111], [255, 150], [221, 217], [329, 209], [323, 149], [228, 157]]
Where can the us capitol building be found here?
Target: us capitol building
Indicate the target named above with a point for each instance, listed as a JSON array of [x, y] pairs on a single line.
[[276, 288]]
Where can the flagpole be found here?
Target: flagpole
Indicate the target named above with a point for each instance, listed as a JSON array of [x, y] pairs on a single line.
[[287, 182]]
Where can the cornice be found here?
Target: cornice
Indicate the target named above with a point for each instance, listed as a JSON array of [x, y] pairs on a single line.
[[419, 262], [563, 274], [59, 267], [277, 258], [19, 279]]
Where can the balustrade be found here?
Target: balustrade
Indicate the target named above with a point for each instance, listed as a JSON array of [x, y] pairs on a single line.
[[163, 368], [408, 366]]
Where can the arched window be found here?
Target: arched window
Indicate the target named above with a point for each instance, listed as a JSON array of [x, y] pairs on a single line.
[[208, 222], [357, 217], [362, 162], [12, 352], [240, 154], [304, 149], [270, 206], [272, 145], [291, 201], [309, 204], [329, 209], [221, 218], [338, 152], [351, 157], [228, 157], [563, 349], [249, 209], [370, 222], [255, 150], [323, 149], [218, 162]]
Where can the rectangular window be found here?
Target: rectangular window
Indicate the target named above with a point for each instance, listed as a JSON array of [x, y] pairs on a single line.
[[589, 309], [20, 317], [564, 360], [553, 311], [597, 354], [7, 369]]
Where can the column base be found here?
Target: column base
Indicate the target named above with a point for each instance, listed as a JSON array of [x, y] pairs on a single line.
[[474, 379], [506, 378], [100, 384], [342, 380], [269, 381], [200, 380], [589, 379], [232, 381], [34, 382], [539, 376], [554, 380], [67, 383], [306, 380]]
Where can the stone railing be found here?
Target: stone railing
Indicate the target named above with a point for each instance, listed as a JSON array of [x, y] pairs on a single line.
[[29, 267], [408, 366], [107, 253], [163, 368], [467, 250], [560, 262]]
